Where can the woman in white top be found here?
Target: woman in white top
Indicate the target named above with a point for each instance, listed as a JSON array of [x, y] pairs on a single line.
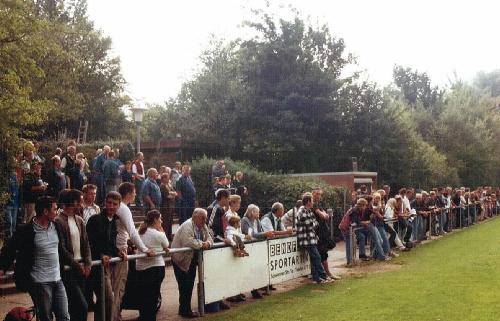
[[389, 226], [151, 270]]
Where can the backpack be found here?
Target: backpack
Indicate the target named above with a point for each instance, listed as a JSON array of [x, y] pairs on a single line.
[[20, 314], [325, 237], [346, 221]]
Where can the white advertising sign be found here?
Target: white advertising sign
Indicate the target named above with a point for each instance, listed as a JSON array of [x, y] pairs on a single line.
[[227, 275], [286, 261]]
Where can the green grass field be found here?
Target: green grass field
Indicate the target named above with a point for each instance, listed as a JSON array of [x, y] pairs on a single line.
[[454, 278]]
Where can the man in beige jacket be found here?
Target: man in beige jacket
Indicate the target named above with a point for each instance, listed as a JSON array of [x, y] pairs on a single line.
[[192, 233]]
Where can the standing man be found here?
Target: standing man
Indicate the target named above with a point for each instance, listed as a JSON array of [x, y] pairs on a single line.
[[68, 161], [324, 237], [219, 169], [38, 254], [151, 194], [216, 221], [185, 187], [125, 229], [307, 238], [139, 176], [192, 233], [12, 205], [90, 208], [76, 247], [56, 178], [33, 188], [111, 173], [176, 172], [98, 173], [101, 229]]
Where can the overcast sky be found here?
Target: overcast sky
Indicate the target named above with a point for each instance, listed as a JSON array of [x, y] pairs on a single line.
[[159, 41]]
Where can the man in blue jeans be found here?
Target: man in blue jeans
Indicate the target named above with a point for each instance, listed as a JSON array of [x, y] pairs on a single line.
[[39, 259], [308, 240]]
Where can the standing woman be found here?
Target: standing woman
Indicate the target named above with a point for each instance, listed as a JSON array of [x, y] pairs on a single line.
[[151, 270]]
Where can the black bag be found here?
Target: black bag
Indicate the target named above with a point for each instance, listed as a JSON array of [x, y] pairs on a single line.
[[325, 237]]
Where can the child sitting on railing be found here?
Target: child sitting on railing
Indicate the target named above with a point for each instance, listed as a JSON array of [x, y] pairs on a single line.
[[235, 237]]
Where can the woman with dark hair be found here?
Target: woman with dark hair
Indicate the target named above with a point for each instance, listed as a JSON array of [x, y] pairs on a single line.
[[151, 270]]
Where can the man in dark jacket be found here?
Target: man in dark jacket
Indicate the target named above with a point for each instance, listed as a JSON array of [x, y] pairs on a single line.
[[39, 259], [76, 246], [216, 214], [101, 230]]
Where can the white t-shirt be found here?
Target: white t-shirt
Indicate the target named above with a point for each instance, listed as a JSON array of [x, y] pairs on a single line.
[[231, 231], [157, 241], [134, 171], [89, 211], [389, 213], [74, 233], [230, 213], [125, 227]]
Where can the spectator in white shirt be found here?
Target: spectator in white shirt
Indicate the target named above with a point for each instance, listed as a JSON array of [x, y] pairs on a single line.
[[90, 208], [139, 175], [151, 270], [125, 228], [289, 220], [235, 237], [272, 221]]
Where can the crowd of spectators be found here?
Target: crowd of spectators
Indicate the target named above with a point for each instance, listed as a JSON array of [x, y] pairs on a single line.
[[402, 220], [74, 211]]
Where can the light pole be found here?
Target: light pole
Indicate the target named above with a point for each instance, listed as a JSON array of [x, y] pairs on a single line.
[[138, 112]]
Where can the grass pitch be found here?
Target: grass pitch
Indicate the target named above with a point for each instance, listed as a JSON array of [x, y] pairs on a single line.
[[454, 278]]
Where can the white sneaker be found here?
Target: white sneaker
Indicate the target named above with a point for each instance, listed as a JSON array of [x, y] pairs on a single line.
[[335, 277]]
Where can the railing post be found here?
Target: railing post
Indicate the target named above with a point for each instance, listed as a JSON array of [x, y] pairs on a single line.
[[201, 284], [103, 292], [353, 244], [430, 218]]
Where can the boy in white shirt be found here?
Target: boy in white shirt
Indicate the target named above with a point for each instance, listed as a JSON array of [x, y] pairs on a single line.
[[235, 237]]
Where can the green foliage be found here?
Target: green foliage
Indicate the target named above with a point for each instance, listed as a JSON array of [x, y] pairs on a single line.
[[281, 100], [468, 132], [488, 82], [264, 188], [55, 69], [416, 87]]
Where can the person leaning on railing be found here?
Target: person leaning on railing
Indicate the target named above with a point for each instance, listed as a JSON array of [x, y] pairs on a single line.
[[250, 225], [75, 244], [192, 233], [101, 231], [307, 238], [126, 228], [151, 270]]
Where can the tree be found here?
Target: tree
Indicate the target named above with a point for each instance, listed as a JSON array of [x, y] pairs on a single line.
[[488, 82], [416, 87], [20, 41], [468, 132], [93, 89]]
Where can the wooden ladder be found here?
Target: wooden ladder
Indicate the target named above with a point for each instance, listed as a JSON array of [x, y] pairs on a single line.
[[82, 132]]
